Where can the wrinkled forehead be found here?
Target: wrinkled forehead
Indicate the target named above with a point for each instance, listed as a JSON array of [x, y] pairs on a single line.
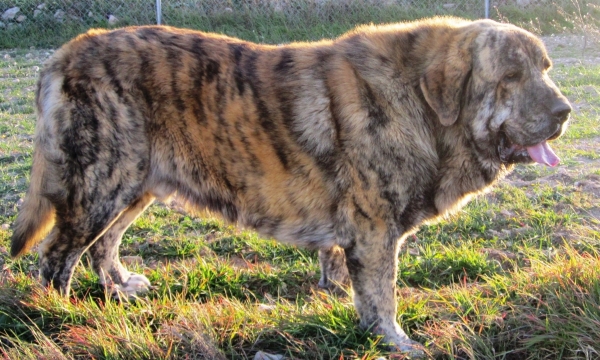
[[508, 45]]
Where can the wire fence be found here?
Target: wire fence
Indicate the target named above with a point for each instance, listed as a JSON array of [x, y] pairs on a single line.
[[44, 23]]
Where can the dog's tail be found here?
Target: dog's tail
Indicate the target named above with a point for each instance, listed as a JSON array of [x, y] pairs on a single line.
[[36, 216]]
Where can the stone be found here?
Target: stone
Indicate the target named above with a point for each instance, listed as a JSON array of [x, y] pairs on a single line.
[[449, 6], [10, 13], [59, 15], [2, 25], [41, 6], [266, 356], [266, 307], [112, 20], [21, 18], [36, 13]]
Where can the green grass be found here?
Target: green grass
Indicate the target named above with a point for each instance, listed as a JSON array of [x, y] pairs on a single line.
[[514, 275], [290, 21], [578, 16]]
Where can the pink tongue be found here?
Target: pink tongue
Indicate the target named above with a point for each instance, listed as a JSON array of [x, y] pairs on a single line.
[[543, 154]]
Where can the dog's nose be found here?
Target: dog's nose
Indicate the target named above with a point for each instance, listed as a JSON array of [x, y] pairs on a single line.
[[561, 110]]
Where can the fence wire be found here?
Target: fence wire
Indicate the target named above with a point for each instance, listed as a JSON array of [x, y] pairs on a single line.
[[41, 23]]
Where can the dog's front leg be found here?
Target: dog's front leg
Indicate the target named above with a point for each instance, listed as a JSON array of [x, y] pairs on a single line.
[[372, 265]]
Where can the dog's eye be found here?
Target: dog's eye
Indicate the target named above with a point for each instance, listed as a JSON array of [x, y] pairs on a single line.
[[512, 76]]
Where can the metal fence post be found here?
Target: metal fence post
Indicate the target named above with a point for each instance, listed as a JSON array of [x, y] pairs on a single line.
[[158, 12], [487, 9]]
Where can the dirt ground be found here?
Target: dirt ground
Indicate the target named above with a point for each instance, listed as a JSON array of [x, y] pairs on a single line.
[[573, 49]]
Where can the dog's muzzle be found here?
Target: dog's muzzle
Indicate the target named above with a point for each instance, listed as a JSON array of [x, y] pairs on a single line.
[[542, 153]]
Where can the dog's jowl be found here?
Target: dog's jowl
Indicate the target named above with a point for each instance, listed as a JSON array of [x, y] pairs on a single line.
[[344, 144]]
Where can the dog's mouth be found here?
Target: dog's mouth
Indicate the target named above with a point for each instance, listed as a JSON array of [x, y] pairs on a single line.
[[540, 153]]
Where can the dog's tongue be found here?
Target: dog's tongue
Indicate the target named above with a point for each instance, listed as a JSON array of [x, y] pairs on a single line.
[[543, 154]]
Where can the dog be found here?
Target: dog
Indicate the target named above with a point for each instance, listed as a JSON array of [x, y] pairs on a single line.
[[351, 143]]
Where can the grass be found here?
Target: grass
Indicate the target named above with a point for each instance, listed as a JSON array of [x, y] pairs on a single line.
[[515, 275], [277, 21]]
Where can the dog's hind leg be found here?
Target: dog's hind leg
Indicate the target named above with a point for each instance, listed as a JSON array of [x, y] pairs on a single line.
[[83, 214], [334, 273], [104, 253], [72, 235]]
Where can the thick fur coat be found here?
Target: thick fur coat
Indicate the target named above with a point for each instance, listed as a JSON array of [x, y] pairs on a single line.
[[344, 144]]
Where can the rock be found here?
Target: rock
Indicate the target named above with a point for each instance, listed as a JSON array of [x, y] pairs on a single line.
[[112, 19], [228, 10], [266, 356], [41, 6], [449, 6], [36, 13], [266, 307], [21, 18], [2, 25], [90, 14], [10, 13], [5, 226], [59, 15]]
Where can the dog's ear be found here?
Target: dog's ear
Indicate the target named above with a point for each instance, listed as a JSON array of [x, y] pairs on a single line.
[[443, 84]]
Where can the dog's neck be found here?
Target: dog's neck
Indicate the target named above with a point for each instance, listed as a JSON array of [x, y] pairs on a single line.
[[463, 170]]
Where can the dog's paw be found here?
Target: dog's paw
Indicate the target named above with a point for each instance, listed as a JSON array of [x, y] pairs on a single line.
[[411, 349], [398, 342], [135, 286]]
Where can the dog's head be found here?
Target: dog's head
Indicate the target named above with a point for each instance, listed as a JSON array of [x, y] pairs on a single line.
[[493, 79]]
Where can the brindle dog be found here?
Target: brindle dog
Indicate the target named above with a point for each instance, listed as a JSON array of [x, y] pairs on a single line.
[[351, 143]]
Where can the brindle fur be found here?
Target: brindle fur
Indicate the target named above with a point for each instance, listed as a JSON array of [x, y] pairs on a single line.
[[350, 143], [334, 273]]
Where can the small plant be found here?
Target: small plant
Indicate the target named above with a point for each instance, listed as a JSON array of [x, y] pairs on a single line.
[[583, 22]]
